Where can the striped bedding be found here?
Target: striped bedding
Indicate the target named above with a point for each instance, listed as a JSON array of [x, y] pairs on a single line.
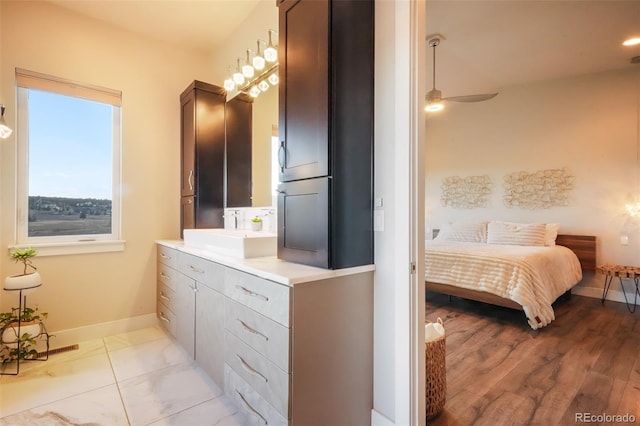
[[532, 276]]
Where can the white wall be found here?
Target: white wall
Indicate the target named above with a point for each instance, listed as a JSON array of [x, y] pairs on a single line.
[[586, 124], [81, 290]]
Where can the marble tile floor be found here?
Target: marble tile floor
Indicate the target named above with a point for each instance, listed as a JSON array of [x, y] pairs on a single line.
[[137, 378]]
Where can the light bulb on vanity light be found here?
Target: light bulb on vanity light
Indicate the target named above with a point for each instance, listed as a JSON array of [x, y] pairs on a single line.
[[271, 53], [258, 60], [263, 86], [274, 79], [254, 92], [238, 77], [247, 69]]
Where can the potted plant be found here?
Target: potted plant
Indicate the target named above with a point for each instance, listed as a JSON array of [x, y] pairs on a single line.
[[19, 332], [256, 224], [27, 279]]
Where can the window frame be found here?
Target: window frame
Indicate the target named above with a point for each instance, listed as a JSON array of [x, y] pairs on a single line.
[[66, 244]]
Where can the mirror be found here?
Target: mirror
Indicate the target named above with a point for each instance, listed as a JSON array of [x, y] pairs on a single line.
[[250, 171]]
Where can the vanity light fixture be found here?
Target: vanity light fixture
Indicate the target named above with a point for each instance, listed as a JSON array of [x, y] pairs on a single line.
[[634, 41], [271, 53], [238, 77], [633, 209], [5, 130], [247, 69], [256, 75]]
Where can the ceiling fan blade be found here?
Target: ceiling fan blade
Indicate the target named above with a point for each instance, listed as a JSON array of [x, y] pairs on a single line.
[[471, 98]]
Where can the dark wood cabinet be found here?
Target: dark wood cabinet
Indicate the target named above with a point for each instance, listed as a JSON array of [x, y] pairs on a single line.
[[238, 122], [202, 155], [326, 132]]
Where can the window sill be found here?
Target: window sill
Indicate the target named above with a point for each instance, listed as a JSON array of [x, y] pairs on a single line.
[[74, 247]]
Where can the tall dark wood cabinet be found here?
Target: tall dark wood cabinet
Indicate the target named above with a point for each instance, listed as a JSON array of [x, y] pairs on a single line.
[[325, 203], [202, 156], [238, 121]]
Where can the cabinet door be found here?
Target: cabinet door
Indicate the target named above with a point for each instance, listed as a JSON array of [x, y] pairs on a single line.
[[303, 222], [210, 332], [304, 89], [185, 306], [188, 142]]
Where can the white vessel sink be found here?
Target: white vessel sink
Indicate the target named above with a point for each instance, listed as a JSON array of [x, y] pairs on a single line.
[[235, 243]]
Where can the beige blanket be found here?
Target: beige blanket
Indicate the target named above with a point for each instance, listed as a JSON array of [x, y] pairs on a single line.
[[533, 277]]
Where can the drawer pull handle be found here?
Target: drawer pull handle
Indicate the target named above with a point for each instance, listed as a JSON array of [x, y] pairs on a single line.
[[250, 369], [251, 330], [252, 293], [163, 318], [197, 270], [165, 276], [163, 297], [250, 408], [164, 256]]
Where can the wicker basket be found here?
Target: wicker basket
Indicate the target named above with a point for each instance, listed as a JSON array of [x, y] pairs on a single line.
[[436, 375]]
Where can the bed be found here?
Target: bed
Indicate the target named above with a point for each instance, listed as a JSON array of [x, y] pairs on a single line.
[[512, 271]]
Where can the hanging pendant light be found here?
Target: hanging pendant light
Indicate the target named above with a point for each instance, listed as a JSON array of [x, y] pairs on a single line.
[[5, 130], [258, 60], [229, 84], [271, 53], [238, 77], [263, 86], [247, 69]]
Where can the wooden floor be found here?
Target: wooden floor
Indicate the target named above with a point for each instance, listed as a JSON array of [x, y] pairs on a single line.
[[500, 372]]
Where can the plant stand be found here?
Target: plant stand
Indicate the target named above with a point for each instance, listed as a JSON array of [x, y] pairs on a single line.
[[42, 335]]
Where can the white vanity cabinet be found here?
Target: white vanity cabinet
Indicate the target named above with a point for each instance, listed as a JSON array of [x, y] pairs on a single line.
[[287, 351]]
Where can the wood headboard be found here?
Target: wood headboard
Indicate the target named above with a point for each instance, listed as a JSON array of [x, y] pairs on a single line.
[[584, 246]]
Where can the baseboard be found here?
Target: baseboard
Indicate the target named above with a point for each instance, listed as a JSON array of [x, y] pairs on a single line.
[[614, 294], [378, 419], [97, 331]]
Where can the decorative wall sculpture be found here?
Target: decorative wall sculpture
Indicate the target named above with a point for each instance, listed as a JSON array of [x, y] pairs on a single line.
[[466, 192], [539, 190]]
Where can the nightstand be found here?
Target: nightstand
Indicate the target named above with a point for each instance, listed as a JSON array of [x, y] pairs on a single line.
[[620, 271]]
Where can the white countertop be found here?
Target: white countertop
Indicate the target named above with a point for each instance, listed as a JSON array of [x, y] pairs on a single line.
[[270, 268]]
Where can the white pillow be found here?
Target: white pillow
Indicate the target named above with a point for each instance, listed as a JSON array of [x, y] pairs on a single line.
[[522, 234], [550, 234], [474, 232]]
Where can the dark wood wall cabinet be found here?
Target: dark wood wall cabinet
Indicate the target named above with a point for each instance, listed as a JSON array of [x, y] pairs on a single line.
[[202, 156], [325, 203]]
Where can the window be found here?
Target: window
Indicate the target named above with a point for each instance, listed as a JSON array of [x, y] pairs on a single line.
[[68, 165]]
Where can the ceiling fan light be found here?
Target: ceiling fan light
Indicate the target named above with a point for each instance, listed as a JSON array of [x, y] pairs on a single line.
[[631, 41], [434, 107]]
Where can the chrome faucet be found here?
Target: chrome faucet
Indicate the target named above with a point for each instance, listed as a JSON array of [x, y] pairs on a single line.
[[234, 214]]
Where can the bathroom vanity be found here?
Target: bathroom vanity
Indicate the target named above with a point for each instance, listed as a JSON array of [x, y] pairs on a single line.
[[291, 344]]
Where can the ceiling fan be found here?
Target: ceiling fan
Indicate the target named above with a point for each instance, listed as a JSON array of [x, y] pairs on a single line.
[[434, 98]]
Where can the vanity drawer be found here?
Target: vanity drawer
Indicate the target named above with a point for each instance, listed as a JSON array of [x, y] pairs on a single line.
[[166, 296], [168, 256], [266, 297], [167, 318], [263, 334], [263, 376], [166, 275], [202, 270], [257, 410]]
